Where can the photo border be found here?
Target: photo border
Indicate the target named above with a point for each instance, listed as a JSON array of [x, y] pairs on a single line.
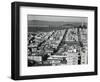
[[15, 40]]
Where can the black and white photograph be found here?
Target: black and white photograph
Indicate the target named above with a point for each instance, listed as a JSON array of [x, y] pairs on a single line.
[[57, 40]]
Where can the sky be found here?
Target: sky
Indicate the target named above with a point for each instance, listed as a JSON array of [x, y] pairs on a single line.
[[57, 18]]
